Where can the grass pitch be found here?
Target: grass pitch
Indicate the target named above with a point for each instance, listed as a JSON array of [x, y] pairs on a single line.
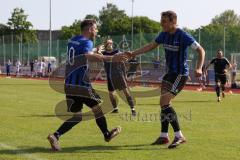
[[27, 116]]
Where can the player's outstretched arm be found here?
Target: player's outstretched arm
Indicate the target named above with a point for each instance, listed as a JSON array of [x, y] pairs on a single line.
[[144, 49], [99, 57], [201, 57], [94, 57]]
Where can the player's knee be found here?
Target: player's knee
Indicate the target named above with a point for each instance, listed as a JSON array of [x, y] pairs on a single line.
[[77, 117], [110, 93], [163, 103], [125, 91], [165, 99], [223, 86]]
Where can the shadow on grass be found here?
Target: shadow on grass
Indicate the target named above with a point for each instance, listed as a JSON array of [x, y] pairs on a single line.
[[39, 115], [54, 115], [147, 104], [194, 101], [81, 149]]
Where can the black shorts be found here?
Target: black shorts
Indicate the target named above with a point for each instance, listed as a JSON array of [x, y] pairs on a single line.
[[116, 82], [174, 83], [75, 103], [222, 78]]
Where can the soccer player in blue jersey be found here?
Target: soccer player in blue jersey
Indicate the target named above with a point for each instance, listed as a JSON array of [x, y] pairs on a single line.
[[175, 42], [78, 87]]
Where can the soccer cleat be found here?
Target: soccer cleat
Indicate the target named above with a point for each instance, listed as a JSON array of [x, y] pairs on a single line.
[[53, 142], [219, 99], [223, 94], [114, 132], [134, 113], [115, 111], [176, 142], [161, 141]]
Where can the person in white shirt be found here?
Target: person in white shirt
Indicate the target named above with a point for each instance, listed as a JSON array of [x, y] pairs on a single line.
[[234, 73], [41, 68], [35, 68], [18, 65]]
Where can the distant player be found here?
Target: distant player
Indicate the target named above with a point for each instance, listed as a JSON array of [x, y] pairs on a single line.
[[81, 46], [35, 67], [116, 78], [41, 68], [32, 68], [175, 41], [221, 66], [8, 67], [49, 68], [234, 75]]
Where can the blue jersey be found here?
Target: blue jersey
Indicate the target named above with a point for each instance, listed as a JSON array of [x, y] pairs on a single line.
[[175, 46], [77, 67], [8, 66]]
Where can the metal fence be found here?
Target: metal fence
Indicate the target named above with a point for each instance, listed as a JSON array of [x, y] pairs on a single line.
[[25, 52]]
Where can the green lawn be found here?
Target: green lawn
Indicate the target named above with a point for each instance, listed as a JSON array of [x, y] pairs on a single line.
[[27, 116]]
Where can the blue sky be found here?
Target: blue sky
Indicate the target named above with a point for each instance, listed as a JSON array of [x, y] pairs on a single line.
[[191, 13]]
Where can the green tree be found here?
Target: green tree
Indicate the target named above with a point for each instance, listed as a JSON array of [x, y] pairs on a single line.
[[113, 21], [145, 25], [233, 39], [4, 29], [69, 31], [212, 37], [19, 23], [227, 18]]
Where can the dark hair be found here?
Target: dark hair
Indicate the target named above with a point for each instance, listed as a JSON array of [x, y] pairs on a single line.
[[171, 15], [87, 23]]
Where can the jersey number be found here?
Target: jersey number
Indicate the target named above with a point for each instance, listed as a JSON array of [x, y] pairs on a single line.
[[71, 54]]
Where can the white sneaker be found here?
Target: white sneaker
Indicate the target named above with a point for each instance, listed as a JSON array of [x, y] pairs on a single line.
[[53, 142], [219, 99]]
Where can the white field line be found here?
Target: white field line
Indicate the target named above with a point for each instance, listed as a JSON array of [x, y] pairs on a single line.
[[212, 92]]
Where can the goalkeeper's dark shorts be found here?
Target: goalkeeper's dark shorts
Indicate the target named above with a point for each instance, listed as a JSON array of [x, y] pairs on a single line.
[[117, 82], [222, 78], [174, 83]]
